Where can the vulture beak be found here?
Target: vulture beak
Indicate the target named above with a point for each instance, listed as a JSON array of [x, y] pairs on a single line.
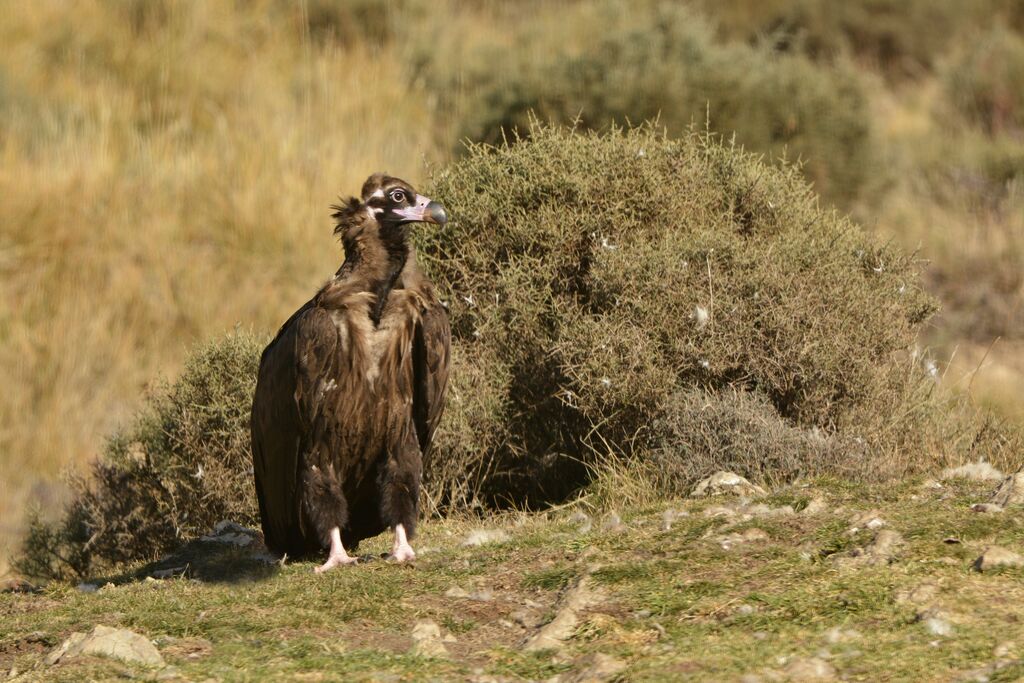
[[425, 210]]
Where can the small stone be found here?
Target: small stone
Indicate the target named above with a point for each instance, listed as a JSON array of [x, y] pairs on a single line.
[[719, 511], [973, 471], [480, 537], [87, 587], [456, 592], [726, 483], [883, 549], [1004, 650], [595, 668], [745, 610], [752, 535], [526, 619], [613, 523], [481, 595], [938, 626], [426, 640], [810, 669], [919, 595], [836, 635], [554, 633], [1011, 491], [817, 505], [669, 517], [104, 641], [986, 507], [584, 522], [994, 556]]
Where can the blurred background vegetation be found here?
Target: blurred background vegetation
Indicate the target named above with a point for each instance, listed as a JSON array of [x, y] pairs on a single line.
[[167, 165]]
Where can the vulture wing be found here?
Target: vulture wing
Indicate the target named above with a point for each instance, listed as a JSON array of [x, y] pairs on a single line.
[[431, 351], [290, 399]]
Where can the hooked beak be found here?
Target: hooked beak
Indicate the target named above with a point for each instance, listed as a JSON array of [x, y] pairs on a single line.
[[425, 210]]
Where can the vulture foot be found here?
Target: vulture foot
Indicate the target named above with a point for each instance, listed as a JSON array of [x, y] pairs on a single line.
[[337, 556], [335, 561], [401, 551]]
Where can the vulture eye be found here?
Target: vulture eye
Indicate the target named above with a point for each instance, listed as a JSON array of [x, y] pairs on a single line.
[[398, 196]]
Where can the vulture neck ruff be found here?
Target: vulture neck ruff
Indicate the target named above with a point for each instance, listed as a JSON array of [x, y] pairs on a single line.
[[375, 252]]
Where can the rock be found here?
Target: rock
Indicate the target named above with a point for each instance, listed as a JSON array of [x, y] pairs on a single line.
[[456, 592], [104, 641], [595, 668], [1011, 491], [426, 640], [753, 535], [169, 673], [883, 549], [226, 531], [868, 520], [479, 537], [584, 522], [919, 595], [613, 523], [973, 471], [719, 511], [669, 517], [836, 635], [553, 634], [1004, 650], [87, 587], [986, 507], [816, 506], [810, 669], [994, 556], [525, 618], [937, 626], [726, 483]]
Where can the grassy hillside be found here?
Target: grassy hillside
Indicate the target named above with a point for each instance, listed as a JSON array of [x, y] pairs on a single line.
[[813, 582], [167, 166]]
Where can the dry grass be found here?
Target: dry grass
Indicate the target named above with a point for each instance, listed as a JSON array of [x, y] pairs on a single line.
[[161, 184]]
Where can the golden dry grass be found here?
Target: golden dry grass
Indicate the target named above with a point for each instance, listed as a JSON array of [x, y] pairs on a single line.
[[162, 186]]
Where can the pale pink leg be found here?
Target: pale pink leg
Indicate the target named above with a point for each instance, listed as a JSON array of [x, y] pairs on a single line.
[[337, 556], [401, 551]]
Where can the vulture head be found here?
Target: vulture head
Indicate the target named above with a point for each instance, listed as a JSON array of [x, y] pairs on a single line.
[[386, 207], [393, 201]]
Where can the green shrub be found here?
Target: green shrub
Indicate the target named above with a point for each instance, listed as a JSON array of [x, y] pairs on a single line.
[[183, 465], [607, 285], [986, 84], [616, 61]]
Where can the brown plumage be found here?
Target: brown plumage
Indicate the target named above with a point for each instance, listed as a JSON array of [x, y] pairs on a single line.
[[351, 389]]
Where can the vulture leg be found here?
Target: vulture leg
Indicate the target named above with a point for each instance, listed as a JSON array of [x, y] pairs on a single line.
[[401, 488], [401, 551], [337, 556]]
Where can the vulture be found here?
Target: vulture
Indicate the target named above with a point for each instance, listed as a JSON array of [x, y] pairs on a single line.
[[351, 389]]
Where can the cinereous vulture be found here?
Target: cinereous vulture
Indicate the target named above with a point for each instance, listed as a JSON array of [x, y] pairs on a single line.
[[351, 389]]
